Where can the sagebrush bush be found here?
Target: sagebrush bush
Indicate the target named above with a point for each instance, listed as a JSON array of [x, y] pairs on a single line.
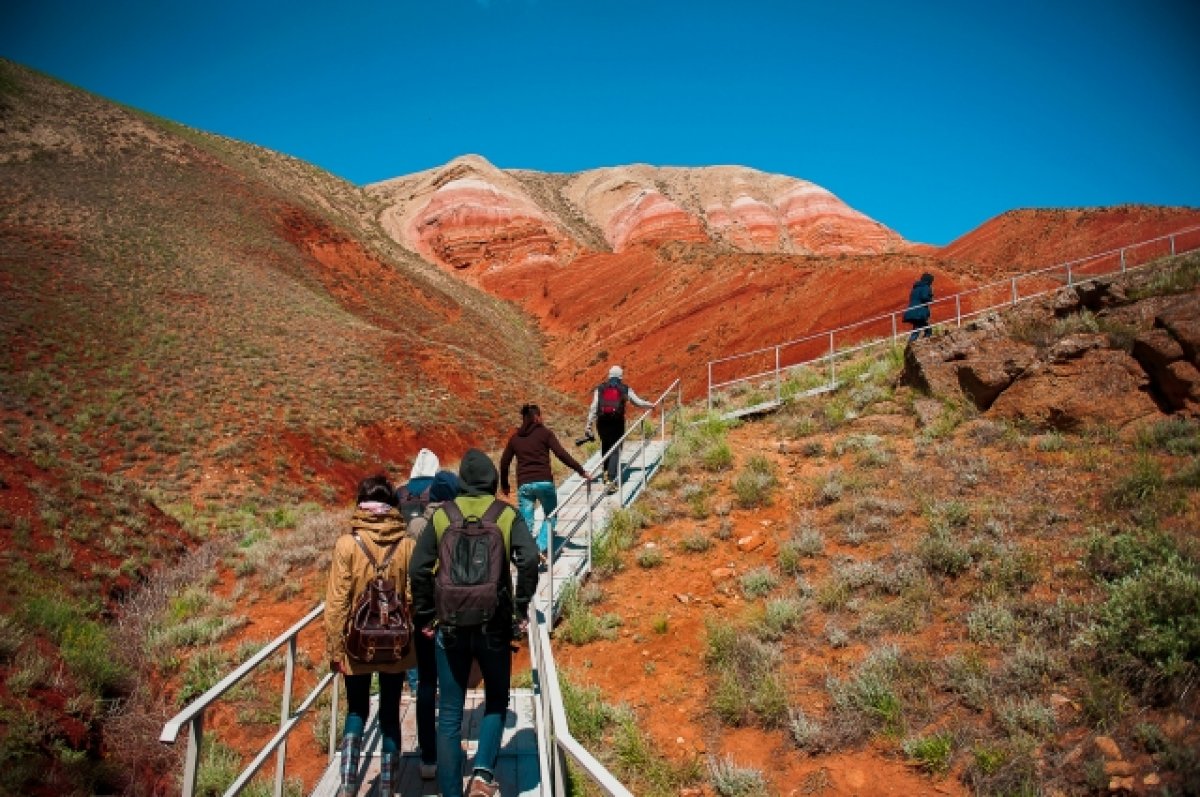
[[756, 482]]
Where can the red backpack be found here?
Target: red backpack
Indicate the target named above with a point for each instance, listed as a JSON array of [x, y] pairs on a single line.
[[612, 398]]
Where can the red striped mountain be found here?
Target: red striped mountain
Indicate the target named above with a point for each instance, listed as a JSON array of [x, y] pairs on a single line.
[[471, 215]]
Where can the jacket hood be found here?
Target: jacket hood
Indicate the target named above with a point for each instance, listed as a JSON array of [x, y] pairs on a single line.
[[445, 487], [927, 278], [528, 427], [479, 476], [381, 523], [425, 466]]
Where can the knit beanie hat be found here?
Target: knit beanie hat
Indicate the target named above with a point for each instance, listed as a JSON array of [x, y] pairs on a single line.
[[615, 372], [445, 486]]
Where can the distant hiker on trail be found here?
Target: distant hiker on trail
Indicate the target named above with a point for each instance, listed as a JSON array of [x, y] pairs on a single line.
[[607, 414], [376, 533], [531, 445], [917, 313], [471, 611], [422, 680], [413, 497]]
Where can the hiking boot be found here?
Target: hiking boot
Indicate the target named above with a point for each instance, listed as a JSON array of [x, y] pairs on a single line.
[[428, 771], [389, 774], [611, 488], [351, 747], [481, 785]]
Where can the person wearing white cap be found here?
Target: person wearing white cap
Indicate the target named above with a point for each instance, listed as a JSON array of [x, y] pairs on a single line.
[[607, 414]]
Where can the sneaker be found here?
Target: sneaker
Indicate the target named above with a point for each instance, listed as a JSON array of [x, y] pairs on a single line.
[[428, 771], [478, 787]]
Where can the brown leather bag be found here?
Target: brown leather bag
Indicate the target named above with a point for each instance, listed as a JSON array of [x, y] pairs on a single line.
[[379, 629]]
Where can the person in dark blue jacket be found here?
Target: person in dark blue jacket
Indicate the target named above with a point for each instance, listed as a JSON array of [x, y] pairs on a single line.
[[919, 299]]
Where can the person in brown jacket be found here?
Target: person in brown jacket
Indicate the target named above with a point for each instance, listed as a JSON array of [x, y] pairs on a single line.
[[531, 445], [377, 524]]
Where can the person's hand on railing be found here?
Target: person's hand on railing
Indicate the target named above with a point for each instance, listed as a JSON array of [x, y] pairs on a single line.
[[335, 667]]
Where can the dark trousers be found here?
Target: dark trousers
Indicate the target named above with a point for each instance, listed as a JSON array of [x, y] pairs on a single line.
[[427, 684], [358, 703], [611, 428], [918, 326]]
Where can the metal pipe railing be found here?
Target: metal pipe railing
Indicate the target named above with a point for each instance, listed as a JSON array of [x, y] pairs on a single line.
[[193, 714], [1073, 272]]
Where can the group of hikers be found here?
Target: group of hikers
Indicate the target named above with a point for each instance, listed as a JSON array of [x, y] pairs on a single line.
[[421, 589]]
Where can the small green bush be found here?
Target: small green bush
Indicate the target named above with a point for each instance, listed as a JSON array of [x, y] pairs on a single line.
[[649, 557], [758, 583], [931, 753]]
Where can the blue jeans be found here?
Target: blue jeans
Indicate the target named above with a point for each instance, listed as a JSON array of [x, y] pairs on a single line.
[[530, 494], [454, 650]]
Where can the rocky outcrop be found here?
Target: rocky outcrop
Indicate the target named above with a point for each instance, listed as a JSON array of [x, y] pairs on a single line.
[[1080, 378], [1169, 353]]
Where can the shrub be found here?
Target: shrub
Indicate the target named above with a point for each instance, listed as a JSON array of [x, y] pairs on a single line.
[[1178, 436], [1029, 716], [756, 482], [1140, 487], [780, 616], [649, 557], [991, 622], [758, 582], [931, 753], [748, 682], [806, 732], [943, 554], [696, 542], [579, 624], [731, 780], [1150, 624]]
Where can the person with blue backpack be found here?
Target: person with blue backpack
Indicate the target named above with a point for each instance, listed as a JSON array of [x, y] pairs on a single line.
[[917, 314], [607, 415], [413, 497]]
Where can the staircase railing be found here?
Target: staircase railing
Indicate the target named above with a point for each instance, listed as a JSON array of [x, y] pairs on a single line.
[[766, 367], [193, 715]]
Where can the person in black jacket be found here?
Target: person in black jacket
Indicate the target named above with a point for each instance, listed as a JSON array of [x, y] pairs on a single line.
[[917, 314], [531, 445], [488, 643]]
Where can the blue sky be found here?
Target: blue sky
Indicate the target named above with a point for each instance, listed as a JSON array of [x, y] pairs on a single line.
[[930, 117]]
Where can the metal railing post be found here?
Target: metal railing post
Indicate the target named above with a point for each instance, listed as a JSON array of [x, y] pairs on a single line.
[[285, 710], [1122, 261], [778, 381], [333, 717], [832, 364], [1172, 244], [1069, 283], [1014, 290], [894, 333], [957, 311], [191, 764], [710, 386]]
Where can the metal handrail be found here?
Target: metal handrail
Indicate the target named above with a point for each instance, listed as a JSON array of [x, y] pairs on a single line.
[[193, 714], [1069, 276], [555, 742]]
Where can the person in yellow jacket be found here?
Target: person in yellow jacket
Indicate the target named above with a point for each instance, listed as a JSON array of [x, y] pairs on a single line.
[[378, 524]]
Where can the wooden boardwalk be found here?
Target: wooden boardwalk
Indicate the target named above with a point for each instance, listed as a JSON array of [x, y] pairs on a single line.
[[517, 769]]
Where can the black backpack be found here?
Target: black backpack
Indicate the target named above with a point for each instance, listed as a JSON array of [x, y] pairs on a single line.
[[412, 506], [379, 629], [472, 560], [611, 398]]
